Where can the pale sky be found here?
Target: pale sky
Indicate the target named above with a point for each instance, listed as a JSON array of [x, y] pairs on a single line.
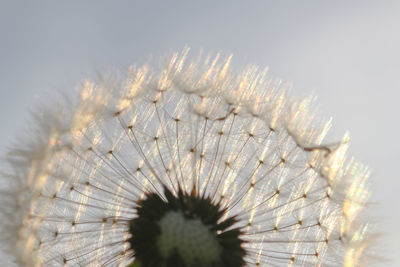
[[344, 52]]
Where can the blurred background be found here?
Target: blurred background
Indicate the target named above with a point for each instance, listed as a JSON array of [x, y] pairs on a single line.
[[347, 53]]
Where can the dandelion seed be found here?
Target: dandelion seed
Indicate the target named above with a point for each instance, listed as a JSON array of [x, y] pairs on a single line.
[[187, 166]]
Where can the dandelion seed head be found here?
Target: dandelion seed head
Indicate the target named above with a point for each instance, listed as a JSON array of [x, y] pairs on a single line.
[[189, 164]]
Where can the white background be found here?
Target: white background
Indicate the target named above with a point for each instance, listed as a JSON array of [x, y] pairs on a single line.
[[345, 52]]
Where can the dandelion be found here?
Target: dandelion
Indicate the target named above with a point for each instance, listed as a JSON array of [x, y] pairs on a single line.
[[190, 165]]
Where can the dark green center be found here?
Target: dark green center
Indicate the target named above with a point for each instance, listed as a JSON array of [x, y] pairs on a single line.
[[146, 231]]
